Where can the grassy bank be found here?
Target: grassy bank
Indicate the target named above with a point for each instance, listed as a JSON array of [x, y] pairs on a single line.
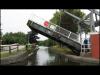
[[6, 53], [58, 49], [15, 52]]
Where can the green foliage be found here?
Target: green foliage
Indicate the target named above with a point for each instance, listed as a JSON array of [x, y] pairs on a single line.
[[48, 42], [76, 12], [60, 50], [67, 22], [51, 42], [7, 54], [70, 23], [43, 43], [56, 18], [10, 38]]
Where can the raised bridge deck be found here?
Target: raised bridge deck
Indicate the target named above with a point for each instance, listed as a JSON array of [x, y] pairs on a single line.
[[57, 33]]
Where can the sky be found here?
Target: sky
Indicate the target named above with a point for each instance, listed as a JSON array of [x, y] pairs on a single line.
[[15, 20]]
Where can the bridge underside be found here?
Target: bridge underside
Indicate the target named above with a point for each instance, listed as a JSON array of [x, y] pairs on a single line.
[[76, 47]]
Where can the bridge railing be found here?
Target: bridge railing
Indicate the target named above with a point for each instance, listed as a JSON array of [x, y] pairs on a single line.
[[55, 28], [67, 33]]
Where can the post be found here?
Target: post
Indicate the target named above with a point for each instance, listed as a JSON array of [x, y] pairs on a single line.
[[80, 37], [69, 34], [0, 34], [28, 37], [92, 22], [17, 48], [9, 49], [26, 47]]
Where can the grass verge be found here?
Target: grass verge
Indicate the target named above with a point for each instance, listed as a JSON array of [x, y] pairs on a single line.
[[6, 54], [58, 49]]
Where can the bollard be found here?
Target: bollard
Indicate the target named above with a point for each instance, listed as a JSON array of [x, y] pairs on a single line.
[[9, 49], [26, 47], [17, 48]]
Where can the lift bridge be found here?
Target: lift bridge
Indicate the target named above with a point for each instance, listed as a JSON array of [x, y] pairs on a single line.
[[56, 32]]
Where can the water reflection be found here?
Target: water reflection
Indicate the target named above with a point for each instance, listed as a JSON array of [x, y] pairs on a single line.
[[46, 57], [43, 56]]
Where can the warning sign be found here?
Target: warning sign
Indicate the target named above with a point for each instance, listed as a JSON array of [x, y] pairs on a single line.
[[46, 23]]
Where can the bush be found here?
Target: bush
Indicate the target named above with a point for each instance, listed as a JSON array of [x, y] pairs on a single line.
[[10, 38]]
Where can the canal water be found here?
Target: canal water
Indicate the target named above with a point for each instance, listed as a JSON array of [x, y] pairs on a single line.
[[44, 57]]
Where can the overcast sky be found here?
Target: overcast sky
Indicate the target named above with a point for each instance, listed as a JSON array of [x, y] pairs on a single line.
[[16, 20]]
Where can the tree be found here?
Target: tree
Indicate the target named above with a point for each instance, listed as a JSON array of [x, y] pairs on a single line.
[[70, 23], [10, 38], [56, 18], [67, 22]]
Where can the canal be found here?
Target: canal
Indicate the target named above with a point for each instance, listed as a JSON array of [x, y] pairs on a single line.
[[44, 57]]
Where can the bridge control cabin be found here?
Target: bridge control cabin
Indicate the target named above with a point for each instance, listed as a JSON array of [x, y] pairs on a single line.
[[95, 44]]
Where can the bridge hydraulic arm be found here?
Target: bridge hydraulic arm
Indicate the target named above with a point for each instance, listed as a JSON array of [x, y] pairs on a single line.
[[79, 19], [90, 16], [75, 17]]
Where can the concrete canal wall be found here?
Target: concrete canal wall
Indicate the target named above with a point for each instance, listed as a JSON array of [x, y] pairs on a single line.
[[82, 60], [78, 59]]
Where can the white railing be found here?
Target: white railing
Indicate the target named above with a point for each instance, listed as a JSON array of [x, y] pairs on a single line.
[[85, 48]]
